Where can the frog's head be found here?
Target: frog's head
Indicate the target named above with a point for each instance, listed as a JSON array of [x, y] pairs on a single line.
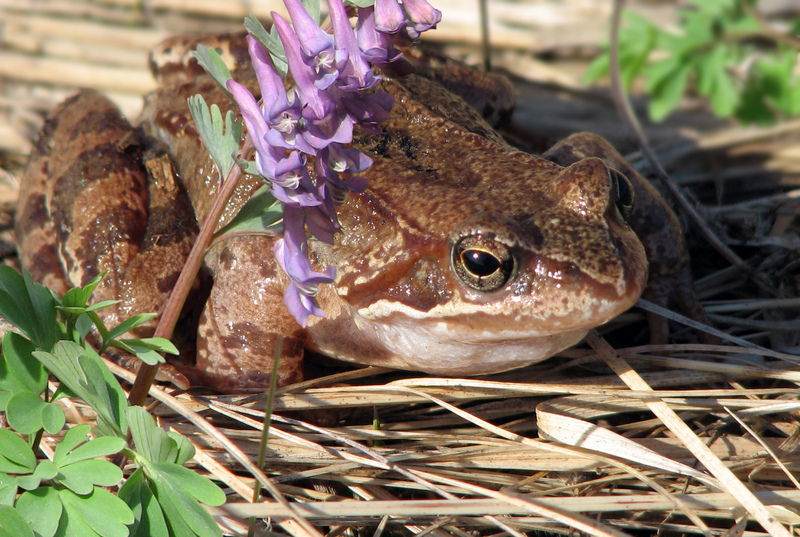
[[516, 280]]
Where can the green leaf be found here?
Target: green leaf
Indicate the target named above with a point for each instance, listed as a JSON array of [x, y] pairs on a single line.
[[101, 305], [707, 66], [597, 69], [660, 73], [222, 139], [249, 167], [16, 456], [83, 325], [158, 344], [102, 446], [697, 31], [81, 476], [28, 482], [130, 324], [8, 489], [45, 470], [724, 97], [148, 515], [53, 418], [73, 438], [210, 60], [145, 354], [28, 306], [84, 373], [18, 368], [151, 441], [185, 449], [777, 78], [271, 42], [24, 412], [12, 523], [75, 480], [41, 508], [261, 213], [181, 509], [77, 297], [99, 513], [199, 487], [669, 94]]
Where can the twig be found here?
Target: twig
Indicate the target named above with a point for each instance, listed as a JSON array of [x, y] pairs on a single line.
[[626, 112]]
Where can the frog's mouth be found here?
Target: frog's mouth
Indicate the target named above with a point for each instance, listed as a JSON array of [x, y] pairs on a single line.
[[438, 349], [484, 343]]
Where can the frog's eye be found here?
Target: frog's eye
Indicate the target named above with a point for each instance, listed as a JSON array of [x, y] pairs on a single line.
[[623, 193], [481, 264]]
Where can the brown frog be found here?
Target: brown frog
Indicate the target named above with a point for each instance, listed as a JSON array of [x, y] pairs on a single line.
[[464, 256]]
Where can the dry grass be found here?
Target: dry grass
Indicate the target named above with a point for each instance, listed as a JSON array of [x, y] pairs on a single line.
[[451, 457]]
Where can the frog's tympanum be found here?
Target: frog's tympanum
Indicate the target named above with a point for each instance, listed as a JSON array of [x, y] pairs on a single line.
[[463, 257]]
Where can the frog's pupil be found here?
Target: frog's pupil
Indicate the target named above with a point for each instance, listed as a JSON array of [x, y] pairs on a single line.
[[480, 263]]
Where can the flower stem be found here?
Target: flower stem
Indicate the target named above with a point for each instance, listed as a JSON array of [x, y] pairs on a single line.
[[177, 298]]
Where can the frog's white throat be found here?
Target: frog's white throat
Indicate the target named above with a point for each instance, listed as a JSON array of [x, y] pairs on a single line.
[[445, 347]]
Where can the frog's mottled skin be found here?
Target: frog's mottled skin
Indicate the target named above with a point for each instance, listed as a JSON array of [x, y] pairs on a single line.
[[101, 195]]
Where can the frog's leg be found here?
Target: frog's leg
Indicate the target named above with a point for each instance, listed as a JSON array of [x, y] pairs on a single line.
[[244, 316], [106, 202], [670, 279]]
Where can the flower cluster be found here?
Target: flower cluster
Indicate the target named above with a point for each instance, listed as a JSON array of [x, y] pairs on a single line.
[[316, 119]]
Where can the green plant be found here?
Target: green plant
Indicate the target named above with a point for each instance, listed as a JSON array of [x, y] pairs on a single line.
[[723, 50], [66, 496]]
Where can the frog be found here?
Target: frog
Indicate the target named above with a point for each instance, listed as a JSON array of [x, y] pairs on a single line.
[[464, 256]]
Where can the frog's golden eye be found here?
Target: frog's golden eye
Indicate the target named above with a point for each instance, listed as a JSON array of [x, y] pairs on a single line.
[[481, 264], [623, 192]]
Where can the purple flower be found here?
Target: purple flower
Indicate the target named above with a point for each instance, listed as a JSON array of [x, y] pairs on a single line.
[[422, 14], [332, 161], [375, 46], [311, 96], [291, 183], [267, 155], [321, 220], [340, 159], [291, 253], [357, 74], [316, 117], [317, 45], [368, 110], [389, 16], [336, 127], [392, 18]]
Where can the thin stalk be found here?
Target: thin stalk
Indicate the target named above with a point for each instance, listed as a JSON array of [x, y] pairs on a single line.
[[262, 450], [177, 298], [485, 42]]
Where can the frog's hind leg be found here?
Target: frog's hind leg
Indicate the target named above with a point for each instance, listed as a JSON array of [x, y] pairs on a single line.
[[244, 317], [75, 155], [89, 188]]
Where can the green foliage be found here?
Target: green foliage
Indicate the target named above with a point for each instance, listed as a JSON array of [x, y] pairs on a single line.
[[271, 41], [67, 496], [722, 51], [261, 213], [29, 307], [210, 60], [162, 490], [222, 139], [82, 371]]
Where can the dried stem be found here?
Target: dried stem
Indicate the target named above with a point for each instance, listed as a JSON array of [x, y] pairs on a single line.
[[172, 310]]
